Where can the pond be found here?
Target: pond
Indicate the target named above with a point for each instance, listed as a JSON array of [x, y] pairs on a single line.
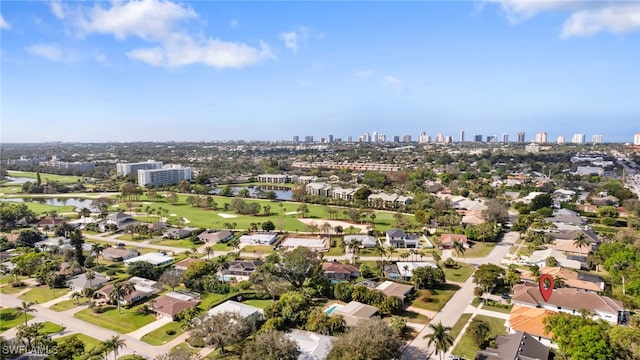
[[75, 202], [282, 193], [18, 180]]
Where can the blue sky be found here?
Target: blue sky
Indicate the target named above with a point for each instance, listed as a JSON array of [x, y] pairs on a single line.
[[208, 70]]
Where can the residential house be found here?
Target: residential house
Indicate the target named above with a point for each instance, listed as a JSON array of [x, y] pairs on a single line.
[[312, 346], [306, 179], [531, 320], [171, 304], [318, 189], [51, 221], [120, 219], [245, 311], [389, 201], [157, 259], [540, 257], [342, 193], [355, 312], [605, 201], [274, 178], [447, 240], [118, 254], [258, 239], [144, 289], [317, 244], [405, 268], [571, 301], [214, 237], [390, 288], [339, 271], [566, 216], [366, 241], [48, 244], [242, 267], [572, 279], [518, 345], [472, 218], [184, 264], [80, 281], [177, 233], [397, 238]]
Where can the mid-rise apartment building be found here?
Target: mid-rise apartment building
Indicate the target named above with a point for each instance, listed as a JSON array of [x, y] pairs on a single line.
[[125, 169], [170, 174]]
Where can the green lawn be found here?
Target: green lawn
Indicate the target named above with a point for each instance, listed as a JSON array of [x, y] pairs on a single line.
[[209, 299], [337, 249], [53, 177], [42, 294], [439, 298], [460, 274], [457, 327], [184, 243], [10, 318], [479, 249], [125, 322], [466, 348], [8, 289], [51, 328], [259, 303], [414, 317], [159, 336], [258, 249], [222, 247], [89, 342], [69, 304]]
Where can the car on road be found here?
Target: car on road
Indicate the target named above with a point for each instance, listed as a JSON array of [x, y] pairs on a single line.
[[453, 357], [505, 296]]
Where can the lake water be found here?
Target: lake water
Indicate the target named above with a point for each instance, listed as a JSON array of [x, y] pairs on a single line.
[[18, 180], [282, 193], [76, 202]]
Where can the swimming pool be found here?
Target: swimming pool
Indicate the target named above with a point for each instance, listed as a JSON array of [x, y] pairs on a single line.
[[332, 308]]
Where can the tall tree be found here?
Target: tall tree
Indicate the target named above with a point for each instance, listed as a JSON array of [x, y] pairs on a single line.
[[120, 292], [580, 241], [114, 344], [25, 308], [271, 345], [220, 329], [369, 340], [458, 247], [440, 337]]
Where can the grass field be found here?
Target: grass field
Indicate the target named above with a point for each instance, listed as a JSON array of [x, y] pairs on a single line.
[[414, 317], [69, 304], [466, 348], [479, 249], [42, 294], [51, 328], [159, 336], [259, 303], [439, 298], [8, 289], [125, 322], [460, 274], [66, 179], [457, 327], [10, 318], [89, 342], [209, 299]]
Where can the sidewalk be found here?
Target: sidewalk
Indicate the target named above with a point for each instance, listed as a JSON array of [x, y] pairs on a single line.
[[137, 334], [474, 312]]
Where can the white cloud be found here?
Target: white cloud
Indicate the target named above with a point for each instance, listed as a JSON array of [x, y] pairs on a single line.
[[47, 51], [102, 59], [146, 19], [57, 10], [614, 19], [394, 83], [234, 23], [4, 25], [364, 74], [182, 50], [293, 39], [585, 17]]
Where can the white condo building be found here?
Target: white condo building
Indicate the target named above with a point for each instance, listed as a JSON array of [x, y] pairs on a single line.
[[636, 139], [577, 139], [170, 174], [560, 140], [596, 139], [541, 138], [125, 169]]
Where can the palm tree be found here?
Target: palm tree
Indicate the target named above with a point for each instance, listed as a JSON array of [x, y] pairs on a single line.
[[90, 275], [26, 308], [621, 266], [114, 344], [458, 246], [440, 337], [354, 246], [209, 251], [581, 241], [120, 291], [222, 262], [76, 296], [97, 249]]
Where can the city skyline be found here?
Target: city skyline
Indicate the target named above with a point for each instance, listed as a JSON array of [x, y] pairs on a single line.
[[215, 71]]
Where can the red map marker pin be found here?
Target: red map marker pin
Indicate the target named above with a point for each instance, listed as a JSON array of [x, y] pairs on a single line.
[[546, 286]]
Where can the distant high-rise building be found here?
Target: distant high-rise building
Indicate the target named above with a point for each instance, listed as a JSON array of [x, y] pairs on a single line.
[[477, 138], [382, 138], [366, 137], [125, 169], [406, 138], [296, 139], [424, 138], [541, 137], [396, 138], [491, 138], [461, 135], [577, 139], [596, 139], [374, 137], [169, 174], [636, 139], [439, 138], [560, 140], [448, 139], [330, 139], [520, 137], [505, 138], [308, 139], [349, 139]]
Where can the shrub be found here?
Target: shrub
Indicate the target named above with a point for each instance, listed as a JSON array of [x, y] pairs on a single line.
[[17, 284], [170, 332], [98, 309], [196, 342], [111, 272]]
